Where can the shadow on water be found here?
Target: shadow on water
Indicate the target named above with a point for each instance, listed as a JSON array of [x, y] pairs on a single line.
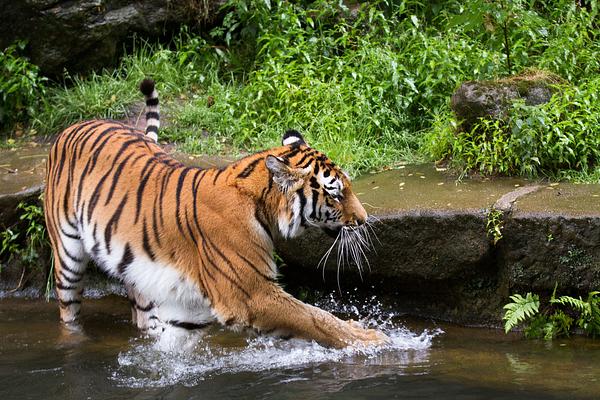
[[108, 359]]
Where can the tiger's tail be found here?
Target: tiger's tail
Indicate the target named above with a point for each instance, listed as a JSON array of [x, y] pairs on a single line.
[[152, 111]]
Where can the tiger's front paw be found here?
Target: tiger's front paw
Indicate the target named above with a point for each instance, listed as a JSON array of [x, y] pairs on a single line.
[[364, 336]]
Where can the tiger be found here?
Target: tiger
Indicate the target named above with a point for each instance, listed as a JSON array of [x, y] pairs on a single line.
[[193, 247]]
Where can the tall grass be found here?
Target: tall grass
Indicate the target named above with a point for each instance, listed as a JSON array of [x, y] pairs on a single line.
[[365, 84]]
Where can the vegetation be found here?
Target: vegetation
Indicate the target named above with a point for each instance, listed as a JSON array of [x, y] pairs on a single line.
[[26, 243], [368, 83], [21, 87], [494, 225], [557, 318], [560, 139]]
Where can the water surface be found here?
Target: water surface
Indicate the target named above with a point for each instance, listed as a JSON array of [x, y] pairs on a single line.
[[109, 360]]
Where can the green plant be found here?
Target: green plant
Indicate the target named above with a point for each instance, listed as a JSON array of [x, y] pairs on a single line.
[[21, 87], [494, 225], [35, 231], [10, 246], [561, 135], [520, 309], [589, 311], [26, 243], [556, 317]]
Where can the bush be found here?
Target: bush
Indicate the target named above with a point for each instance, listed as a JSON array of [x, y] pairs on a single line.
[[21, 88], [563, 134]]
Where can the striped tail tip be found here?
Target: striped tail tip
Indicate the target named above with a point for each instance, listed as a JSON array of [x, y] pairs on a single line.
[[147, 88]]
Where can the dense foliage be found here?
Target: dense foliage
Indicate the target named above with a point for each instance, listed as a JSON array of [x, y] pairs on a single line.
[[26, 242], [21, 87], [559, 317], [368, 83], [554, 139]]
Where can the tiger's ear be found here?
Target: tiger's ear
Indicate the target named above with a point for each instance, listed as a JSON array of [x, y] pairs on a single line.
[[292, 138], [286, 177]]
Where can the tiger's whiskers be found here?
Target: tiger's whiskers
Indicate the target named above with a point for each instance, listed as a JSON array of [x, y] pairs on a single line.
[[353, 243]]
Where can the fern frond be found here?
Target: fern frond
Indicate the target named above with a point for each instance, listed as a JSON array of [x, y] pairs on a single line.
[[576, 304], [520, 310]]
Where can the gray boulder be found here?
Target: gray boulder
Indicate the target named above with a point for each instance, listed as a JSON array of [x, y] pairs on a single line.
[[492, 99], [89, 34]]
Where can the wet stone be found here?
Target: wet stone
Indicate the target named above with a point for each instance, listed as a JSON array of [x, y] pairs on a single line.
[[21, 178]]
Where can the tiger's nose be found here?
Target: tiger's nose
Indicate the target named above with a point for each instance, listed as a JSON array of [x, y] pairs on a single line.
[[356, 220]]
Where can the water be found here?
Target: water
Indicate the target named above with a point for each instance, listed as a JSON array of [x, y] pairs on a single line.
[[427, 360]]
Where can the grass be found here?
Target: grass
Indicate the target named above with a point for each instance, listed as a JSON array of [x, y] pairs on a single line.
[[369, 86]]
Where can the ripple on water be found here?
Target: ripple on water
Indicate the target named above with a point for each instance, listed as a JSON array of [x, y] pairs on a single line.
[[142, 365]]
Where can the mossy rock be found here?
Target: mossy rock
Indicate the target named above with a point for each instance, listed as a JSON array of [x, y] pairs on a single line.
[[492, 99]]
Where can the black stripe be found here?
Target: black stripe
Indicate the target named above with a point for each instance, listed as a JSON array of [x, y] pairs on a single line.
[[96, 250], [71, 256], [60, 286], [209, 261], [180, 181], [155, 223], [300, 194], [152, 128], [263, 224], [219, 172], [142, 186], [63, 265], [189, 228], [146, 241], [314, 183], [187, 325], [248, 170], [293, 152], [80, 186], [67, 303], [195, 185], [315, 198], [153, 101], [100, 147], [68, 279], [70, 236], [63, 157], [152, 114], [304, 157], [126, 260], [96, 196], [115, 178], [259, 272], [147, 308], [114, 220]]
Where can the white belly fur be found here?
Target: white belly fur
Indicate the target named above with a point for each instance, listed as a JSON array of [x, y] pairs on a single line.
[[174, 296]]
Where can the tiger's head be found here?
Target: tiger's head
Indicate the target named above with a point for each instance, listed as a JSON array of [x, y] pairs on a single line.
[[316, 192]]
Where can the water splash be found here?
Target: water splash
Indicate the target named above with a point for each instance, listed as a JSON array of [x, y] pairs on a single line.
[[145, 366]]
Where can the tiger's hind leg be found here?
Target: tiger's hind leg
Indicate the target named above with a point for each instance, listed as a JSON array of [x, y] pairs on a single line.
[[143, 311], [70, 263]]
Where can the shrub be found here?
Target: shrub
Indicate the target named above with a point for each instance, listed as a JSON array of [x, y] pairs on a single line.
[[563, 134], [21, 87]]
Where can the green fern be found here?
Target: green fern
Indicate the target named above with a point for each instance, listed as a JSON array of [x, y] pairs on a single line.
[[590, 321], [520, 310], [576, 304]]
